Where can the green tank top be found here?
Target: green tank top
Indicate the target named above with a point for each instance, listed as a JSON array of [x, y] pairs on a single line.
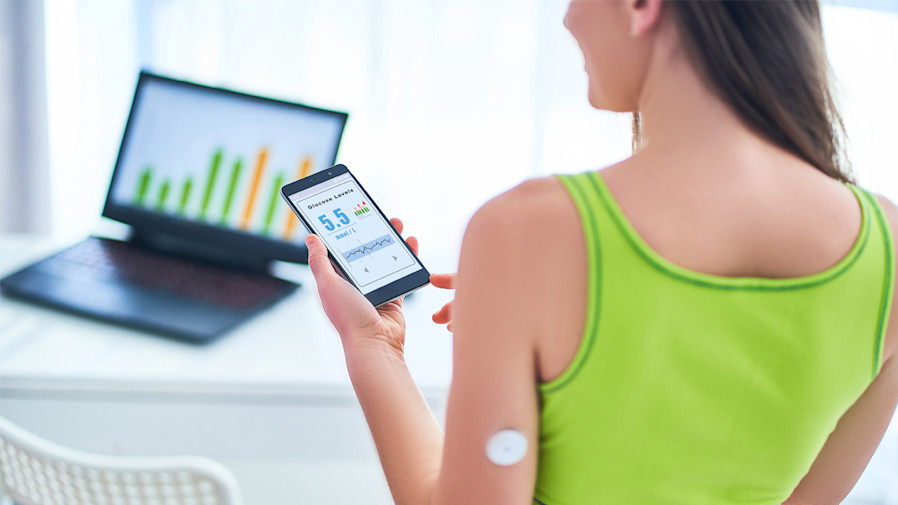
[[690, 388]]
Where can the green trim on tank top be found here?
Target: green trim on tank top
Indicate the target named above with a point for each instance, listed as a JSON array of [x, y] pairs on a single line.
[[593, 288], [731, 283], [887, 285]]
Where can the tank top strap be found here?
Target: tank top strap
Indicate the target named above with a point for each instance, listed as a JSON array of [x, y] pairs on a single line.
[[609, 236], [585, 191], [610, 239], [602, 222], [884, 249]]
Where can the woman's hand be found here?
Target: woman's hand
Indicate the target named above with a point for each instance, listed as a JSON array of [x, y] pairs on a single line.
[[444, 315], [357, 321]]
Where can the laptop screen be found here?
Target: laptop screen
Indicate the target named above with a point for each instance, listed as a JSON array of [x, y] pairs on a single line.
[[206, 156]]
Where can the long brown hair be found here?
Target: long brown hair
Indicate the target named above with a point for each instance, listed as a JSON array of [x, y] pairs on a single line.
[[767, 61]]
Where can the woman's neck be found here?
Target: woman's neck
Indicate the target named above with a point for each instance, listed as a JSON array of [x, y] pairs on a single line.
[[680, 112]]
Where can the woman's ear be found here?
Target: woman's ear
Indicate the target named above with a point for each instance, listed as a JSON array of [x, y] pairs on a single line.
[[644, 15]]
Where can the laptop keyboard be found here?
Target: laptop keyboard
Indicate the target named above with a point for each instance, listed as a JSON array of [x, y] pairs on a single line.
[[105, 259]]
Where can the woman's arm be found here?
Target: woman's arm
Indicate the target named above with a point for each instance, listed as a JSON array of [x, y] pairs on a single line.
[[495, 321], [409, 441], [408, 438], [851, 445], [494, 377]]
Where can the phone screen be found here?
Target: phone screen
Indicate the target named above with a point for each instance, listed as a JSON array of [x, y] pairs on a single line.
[[361, 240]]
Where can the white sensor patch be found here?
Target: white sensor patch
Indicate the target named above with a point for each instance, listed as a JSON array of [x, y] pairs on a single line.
[[506, 447]]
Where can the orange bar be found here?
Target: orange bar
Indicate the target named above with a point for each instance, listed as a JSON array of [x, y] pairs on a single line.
[[304, 167], [254, 189]]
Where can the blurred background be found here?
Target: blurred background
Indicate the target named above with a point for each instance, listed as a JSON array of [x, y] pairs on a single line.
[[472, 96], [450, 103]]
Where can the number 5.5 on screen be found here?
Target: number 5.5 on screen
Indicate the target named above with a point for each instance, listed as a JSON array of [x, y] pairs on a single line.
[[330, 225]]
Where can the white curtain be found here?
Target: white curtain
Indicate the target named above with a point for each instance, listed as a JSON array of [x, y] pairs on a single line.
[[24, 206]]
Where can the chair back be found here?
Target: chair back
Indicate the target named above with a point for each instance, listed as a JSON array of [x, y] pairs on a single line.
[[34, 471]]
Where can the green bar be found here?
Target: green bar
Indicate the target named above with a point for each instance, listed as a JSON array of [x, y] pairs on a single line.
[[235, 174], [210, 182], [185, 194], [163, 195], [272, 203], [142, 185]]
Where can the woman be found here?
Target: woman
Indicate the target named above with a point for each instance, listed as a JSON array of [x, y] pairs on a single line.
[[706, 322]]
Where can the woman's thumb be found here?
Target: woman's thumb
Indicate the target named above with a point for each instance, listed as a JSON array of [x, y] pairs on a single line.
[[318, 260]]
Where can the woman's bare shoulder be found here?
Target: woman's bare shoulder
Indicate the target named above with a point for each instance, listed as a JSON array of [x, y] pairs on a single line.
[[532, 228], [533, 207], [536, 192]]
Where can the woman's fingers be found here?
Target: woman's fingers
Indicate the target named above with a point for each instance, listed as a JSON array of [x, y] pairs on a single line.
[[444, 315], [411, 241], [318, 260], [445, 281], [397, 223], [413, 244]]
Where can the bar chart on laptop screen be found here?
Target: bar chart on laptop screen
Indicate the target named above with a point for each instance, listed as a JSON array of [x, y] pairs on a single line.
[[219, 160], [235, 191]]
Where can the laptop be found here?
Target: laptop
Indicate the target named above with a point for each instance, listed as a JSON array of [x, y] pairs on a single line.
[[197, 179]]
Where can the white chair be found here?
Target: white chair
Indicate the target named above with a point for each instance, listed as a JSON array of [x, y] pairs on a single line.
[[36, 472]]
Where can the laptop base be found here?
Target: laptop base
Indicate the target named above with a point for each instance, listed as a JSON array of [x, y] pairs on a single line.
[[128, 284]]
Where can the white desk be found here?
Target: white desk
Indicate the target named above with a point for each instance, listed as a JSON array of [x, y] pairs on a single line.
[[272, 399]]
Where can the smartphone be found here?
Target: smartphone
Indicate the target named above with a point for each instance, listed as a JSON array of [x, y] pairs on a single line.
[[361, 242]]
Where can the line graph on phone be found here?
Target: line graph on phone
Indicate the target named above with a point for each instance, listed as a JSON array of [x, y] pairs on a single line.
[[368, 248]]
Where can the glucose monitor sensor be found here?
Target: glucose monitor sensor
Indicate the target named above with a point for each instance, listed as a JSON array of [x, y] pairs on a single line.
[[506, 447]]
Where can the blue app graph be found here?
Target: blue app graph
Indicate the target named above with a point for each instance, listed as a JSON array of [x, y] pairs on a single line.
[[366, 249]]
